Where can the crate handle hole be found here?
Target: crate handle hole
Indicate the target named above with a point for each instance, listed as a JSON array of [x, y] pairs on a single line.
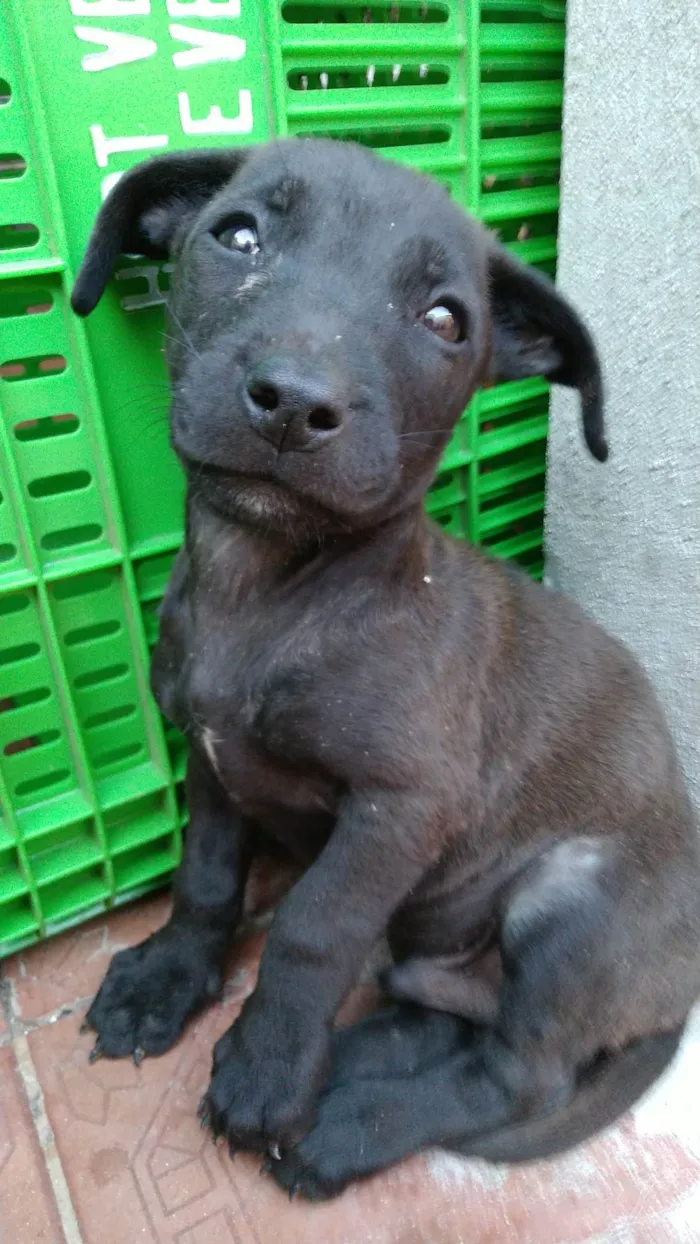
[[69, 537], [46, 427], [99, 630], [297, 14], [32, 301], [12, 165], [22, 699], [19, 652], [127, 751], [109, 715], [93, 678], [15, 603], [33, 368], [31, 742], [83, 585], [350, 78], [57, 485], [389, 139], [21, 236], [33, 786]]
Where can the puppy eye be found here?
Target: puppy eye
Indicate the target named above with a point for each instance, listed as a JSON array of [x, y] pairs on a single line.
[[444, 322], [240, 237]]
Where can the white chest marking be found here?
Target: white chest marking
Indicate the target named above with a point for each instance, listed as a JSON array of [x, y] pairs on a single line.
[[209, 742]]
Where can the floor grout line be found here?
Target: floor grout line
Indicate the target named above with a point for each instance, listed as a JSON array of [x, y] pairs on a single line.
[[54, 1166], [37, 1107]]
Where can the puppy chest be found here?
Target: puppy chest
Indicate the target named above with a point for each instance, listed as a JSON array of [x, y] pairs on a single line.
[[256, 730], [232, 711]]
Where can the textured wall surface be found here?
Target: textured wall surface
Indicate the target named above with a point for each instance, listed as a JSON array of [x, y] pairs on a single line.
[[624, 538]]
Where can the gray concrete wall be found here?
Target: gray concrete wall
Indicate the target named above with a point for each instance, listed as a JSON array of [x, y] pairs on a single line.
[[624, 538]]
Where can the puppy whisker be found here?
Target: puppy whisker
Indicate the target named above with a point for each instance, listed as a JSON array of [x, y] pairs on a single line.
[[172, 314]]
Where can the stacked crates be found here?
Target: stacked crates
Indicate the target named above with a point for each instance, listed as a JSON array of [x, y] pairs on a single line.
[[91, 808]]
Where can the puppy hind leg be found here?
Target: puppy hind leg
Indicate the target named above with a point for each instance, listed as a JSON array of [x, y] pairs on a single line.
[[557, 943], [459, 984], [395, 1042]]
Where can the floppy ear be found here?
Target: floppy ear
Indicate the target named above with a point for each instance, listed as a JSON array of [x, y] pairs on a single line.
[[536, 333], [141, 215]]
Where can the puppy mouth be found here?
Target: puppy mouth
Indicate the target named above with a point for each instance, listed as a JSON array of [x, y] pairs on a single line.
[[223, 474], [237, 491], [224, 478], [226, 488]]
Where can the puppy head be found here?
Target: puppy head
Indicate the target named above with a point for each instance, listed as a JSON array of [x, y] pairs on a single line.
[[331, 315]]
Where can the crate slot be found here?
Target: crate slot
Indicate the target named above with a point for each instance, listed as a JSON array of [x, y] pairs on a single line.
[[119, 788], [61, 899], [363, 14], [23, 699], [42, 783], [22, 236], [139, 821], [17, 302], [177, 750], [107, 717], [95, 678], [31, 742], [12, 165], [151, 621], [16, 602], [152, 576], [33, 368], [60, 852], [69, 537], [512, 468], [83, 585], [17, 921], [5, 92], [144, 863], [56, 485], [519, 10], [377, 77], [515, 536], [54, 813], [18, 653], [12, 881], [46, 428], [509, 510], [116, 755], [384, 139], [98, 630]]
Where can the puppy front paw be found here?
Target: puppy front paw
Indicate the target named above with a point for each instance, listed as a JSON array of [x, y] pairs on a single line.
[[259, 1099], [360, 1130], [148, 994]]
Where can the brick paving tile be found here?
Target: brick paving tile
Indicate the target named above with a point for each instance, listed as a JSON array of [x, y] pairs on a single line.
[[27, 1210], [138, 1167]]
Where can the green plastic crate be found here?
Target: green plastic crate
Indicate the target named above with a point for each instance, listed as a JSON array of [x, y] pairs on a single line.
[[90, 495]]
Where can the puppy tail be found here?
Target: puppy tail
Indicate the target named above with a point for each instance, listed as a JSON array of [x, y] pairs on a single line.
[[607, 1089]]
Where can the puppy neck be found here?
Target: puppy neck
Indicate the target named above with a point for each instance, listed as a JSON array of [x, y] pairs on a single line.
[[226, 553]]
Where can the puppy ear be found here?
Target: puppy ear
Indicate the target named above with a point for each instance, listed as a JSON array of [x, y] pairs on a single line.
[[536, 333], [141, 215]]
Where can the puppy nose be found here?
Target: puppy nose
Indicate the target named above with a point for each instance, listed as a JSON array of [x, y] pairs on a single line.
[[291, 407]]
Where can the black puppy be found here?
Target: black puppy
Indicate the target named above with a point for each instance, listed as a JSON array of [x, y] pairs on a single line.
[[465, 762]]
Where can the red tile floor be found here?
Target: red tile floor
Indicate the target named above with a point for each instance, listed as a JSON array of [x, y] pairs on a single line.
[[108, 1154]]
